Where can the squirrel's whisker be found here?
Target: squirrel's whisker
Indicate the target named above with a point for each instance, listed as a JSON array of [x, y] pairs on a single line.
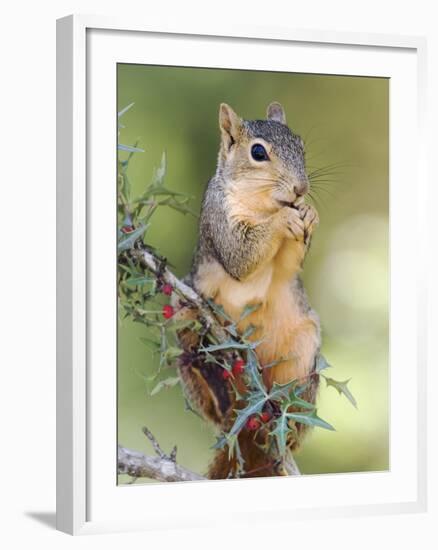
[[331, 194], [329, 169]]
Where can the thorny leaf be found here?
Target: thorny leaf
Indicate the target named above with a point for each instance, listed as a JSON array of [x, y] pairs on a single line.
[[160, 172], [247, 310], [231, 344], [311, 419], [150, 343], [219, 311], [172, 353], [129, 148], [138, 281], [166, 383], [128, 242], [342, 389], [183, 324], [321, 364], [124, 110], [280, 433]]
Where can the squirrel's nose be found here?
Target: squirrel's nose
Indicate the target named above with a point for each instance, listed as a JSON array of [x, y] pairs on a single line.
[[301, 188]]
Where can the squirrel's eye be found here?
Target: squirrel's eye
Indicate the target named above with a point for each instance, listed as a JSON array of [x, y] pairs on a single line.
[[258, 152]]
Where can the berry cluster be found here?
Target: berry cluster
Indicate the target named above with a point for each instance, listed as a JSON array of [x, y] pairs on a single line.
[[168, 310], [237, 369], [127, 229], [254, 423]]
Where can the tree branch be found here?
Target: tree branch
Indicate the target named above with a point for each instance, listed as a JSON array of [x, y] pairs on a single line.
[[185, 291], [138, 465], [291, 466], [162, 467]]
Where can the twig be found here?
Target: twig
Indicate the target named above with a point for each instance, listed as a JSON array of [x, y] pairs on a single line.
[[291, 466], [185, 291], [138, 465], [162, 467], [155, 444]]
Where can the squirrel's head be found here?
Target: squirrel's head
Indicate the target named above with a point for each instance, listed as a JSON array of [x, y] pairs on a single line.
[[262, 160]]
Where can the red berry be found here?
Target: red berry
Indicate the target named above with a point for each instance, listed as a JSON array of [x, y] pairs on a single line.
[[238, 367], [168, 311], [265, 416], [167, 289], [128, 229], [253, 423], [226, 374]]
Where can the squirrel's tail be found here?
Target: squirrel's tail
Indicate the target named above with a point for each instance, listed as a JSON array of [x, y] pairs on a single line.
[[256, 461]]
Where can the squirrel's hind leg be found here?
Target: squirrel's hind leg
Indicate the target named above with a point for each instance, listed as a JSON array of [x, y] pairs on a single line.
[[204, 383]]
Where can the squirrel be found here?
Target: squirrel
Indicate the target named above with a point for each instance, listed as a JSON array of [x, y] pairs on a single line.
[[255, 230]]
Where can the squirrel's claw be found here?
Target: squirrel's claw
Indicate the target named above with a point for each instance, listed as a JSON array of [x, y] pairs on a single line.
[[309, 216], [310, 219], [294, 223]]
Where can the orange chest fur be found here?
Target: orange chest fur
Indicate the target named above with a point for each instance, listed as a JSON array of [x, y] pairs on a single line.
[[277, 319]]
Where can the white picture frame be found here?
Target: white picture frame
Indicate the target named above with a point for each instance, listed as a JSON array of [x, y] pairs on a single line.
[[88, 500]]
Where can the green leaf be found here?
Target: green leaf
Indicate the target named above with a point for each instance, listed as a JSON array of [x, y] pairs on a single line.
[[123, 111], [255, 405], [221, 441], [125, 189], [231, 329], [252, 368], [128, 242], [138, 281], [180, 206], [279, 361], [146, 378], [232, 344], [249, 331], [184, 323], [150, 343], [248, 309], [311, 419], [255, 401], [219, 310], [282, 391], [321, 364], [131, 270], [129, 148], [280, 433], [172, 353], [342, 388], [159, 191], [166, 383], [296, 401], [160, 172]]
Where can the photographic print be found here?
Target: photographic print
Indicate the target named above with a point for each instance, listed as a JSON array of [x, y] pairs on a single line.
[[253, 273]]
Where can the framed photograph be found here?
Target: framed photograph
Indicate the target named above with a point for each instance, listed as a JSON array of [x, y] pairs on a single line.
[[233, 253]]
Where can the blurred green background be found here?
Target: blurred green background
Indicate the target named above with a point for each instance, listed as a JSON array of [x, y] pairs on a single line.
[[344, 121]]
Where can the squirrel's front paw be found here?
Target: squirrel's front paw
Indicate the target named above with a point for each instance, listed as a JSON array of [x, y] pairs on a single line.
[[310, 219], [294, 223]]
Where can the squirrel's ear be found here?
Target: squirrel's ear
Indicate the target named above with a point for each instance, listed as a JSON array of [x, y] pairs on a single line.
[[229, 124], [276, 112]]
